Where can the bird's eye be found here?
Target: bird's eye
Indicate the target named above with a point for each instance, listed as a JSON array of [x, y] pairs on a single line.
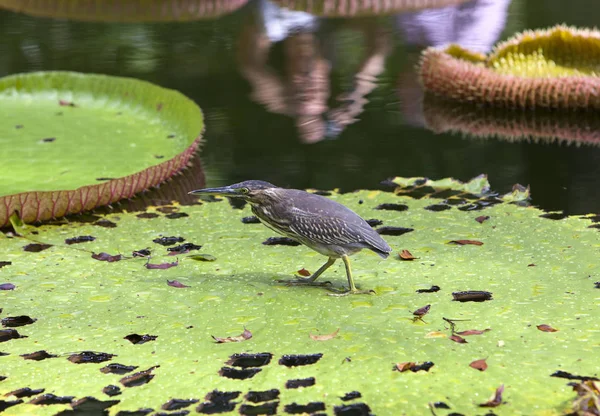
[[244, 190]]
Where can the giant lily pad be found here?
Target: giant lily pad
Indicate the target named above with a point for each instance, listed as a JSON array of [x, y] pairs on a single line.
[[145, 335], [73, 142], [554, 68]]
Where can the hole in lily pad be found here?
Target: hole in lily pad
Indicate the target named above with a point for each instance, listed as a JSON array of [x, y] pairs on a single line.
[[6, 404], [105, 223], [311, 407], [50, 398], [148, 215], [8, 334], [36, 247], [438, 207], [262, 396], [168, 241], [569, 376], [176, 215], [250, 360], [237, 203], [138, 379], [5, 263], [86, 357], [395, 231], [176, 404], [140, 339], [24, 392], [16, 321], [116, 368], [432, 289], [261, 409], [355, 409], [554, 216], [280, 241], [90, 406], [251, 220], [301, 382], [38, 356], [112, 390], [183, 248], [472, 296], [79, 239], [218, 402], [236, 374], [139, 412], [392, 207], [351, 396], [298, 360]]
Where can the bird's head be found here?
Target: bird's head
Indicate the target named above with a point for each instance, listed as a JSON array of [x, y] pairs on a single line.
[[250, 191]]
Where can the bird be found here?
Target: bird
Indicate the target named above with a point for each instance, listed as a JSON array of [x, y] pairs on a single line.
[[319, 223]]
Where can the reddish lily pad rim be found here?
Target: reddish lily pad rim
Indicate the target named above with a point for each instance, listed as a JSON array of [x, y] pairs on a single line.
[[35, 206]]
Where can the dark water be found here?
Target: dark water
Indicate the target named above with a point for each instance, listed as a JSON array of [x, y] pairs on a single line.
[[325, 103]]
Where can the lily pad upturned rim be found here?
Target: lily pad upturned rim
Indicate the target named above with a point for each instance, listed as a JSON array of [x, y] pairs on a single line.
[[35, 206], [125, 10], [461, 75]]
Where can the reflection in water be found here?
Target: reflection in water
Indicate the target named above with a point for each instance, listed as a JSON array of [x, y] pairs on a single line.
[[302, 92]]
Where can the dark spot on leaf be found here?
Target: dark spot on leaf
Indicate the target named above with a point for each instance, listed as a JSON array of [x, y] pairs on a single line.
[[414, 367], [311, 407], [262, 396], [176, 215], [107, 257], [15, 321], [24, 392], [457, 338], [251, 220], [162, 266], [432, 289], [171, 136], [569, 376], [466, 242], [105, 223], [438, 207], [441, 405], [5, 263], [236, 374], [139, 412], [19, 126], [183, 248], [158, 156], [111, 390], [65, 103], [237, 203], [480, 365], [38, 355], [218, 402], [168, 209], [472, 296], [8, 334], [140, 339], [455, 201], [202, 257], [86, 357], [351, 396], [360, 202], [50, 398], [422, 311], [6, 404], [554, 216], [597, 285], [116, 368], [176, 404], [546, 328], [138, 379], [298, 360], [373, 222], [147, 215], [482, 218], [3, 354], [101, 179], [406, 255], [7, 286], [246, 360], [79, 239], [141, 253], [261, 409], [168, 241], [176, 283], [281, 241], [36, 248], [392, 207], [354, 409], [89, 406], [396, 231], [300, 382], [48, 139], [473, 332], [496, 400], [472, 207]]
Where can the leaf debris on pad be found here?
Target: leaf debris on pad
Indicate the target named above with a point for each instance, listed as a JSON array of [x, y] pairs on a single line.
[[406, 255], [79, 239], [138, 379], [38, 356], [15, 321], [587, 402], [36, 247], [202, 257], [161, 265], [5, 263], [168, 241], [432, 289], [421, 312], [496, 399], [176, 283], [393, 231], [414, 367], [457, 339], [246, 335], [472, 296], [482, 218], [546, 328], [325, 337], [473, 332], [105, 223], [140, 339], [183, 249], [107, 257], [466, 242], [303, 272], [8, 334], [480, 365], [141, 253], [86, 357], [280, 241]]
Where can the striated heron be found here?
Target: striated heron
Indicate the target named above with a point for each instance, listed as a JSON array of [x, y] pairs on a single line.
[[313, 220]]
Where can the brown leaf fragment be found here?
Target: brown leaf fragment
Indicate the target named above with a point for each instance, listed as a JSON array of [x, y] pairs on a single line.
[[466, 242], [458, 339], [422, 311], [325, 337], [183, 248], [140, 339], [414, 367], [15, 321], [138, 379], [176, 283], [496, 399], [531, 265], [480, 365], [168, 241], [432, 289], [38, 355], [303, 272], [161, 265], [406, 255], [546, 328], [8, 334], [402, 367], [246, 335], [107, 257], [473, 332], [587, 402], [86, 357], [472, 296], [36, 247], [482, 218], [141, 253]]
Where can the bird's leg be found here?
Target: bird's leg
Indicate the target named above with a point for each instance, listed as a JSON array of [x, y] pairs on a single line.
[[310, 281], [352, 289]]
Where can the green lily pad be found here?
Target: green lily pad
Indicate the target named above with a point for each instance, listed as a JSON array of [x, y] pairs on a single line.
[[79, 141], [539, 271]]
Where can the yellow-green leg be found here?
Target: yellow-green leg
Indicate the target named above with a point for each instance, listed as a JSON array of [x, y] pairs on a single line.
[[310, 281], [352, 289]]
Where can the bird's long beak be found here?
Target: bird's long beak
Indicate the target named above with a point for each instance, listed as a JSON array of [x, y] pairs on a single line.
[[224, 191]]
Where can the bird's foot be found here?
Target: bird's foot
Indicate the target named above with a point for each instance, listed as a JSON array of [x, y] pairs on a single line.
[[341, 293], [301, 281]]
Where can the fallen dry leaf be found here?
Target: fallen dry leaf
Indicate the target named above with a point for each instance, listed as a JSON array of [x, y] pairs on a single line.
[[496, 399], [402, 367], [480, 365], [422, 311], [161, 265], [466, 242], [303, 272], [246, 335], [472, 296], [414, 367], [176, 283], [324, 337], [435, 334], [482, 218], [473, 332], [432, 289], [546, 328], [107, 257], [406, 255], [458, 339]]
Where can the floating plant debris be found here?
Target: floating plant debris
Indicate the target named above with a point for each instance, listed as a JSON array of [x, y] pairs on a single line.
[[496, 399], [107, 257], [432, 289], [262, 396], [473, 332], [246, 335], [280, 241], [546, 328], [36, 247], [251, 220], [16, 321], [176, 283], [302, 382], [438, 207], [140, 339], [247, 360], [65, 103], [394, 231], [569, 376], [421, 312], [299, 360], [414, 367], [141, 253], [480, 365], [162, 266], [237, 374], [392, 207], [457, 338], [138, 379], [304, 272], [406, 255], [86, 357], [116, 368], [218, 402], [79, 239], [183, 248], [38, 355], [325, 337], [472, 296], [168, 241], [466, 242]]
